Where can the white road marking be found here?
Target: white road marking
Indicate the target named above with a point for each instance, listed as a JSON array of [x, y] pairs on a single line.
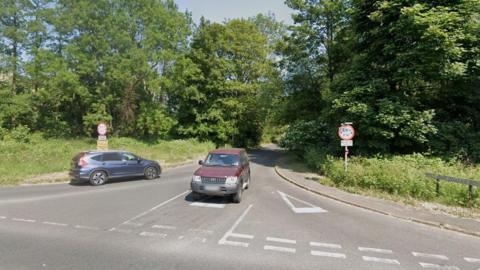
[[134, 224], [209, 205], [152, 234], [2, 217], [54, 223], [241, 235], [430, 256], [378, 250], [223, 240], [92, 228], [165, 227], [181, 237], [300, 210], [201, 231], [120, 230], [380, 260], [328, 254], [472, 260], [281, 249], [23, 220], [325, 245], [437, 266], [234, 243], [200, 239], [153, 208], [281, 240]]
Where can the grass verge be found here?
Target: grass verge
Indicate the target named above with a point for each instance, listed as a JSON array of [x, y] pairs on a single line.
[[24, 161]]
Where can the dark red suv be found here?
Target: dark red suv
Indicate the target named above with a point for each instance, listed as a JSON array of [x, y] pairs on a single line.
[[224, 172]]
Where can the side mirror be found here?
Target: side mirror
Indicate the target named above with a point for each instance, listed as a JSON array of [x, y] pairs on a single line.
[[200, 162], [139, 160]]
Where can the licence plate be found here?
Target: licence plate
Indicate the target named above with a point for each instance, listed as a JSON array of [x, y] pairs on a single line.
[[212, 188]]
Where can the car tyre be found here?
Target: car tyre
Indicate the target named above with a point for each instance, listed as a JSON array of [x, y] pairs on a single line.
[[151, 172], [98, 178], [248, 181], [237, 197]]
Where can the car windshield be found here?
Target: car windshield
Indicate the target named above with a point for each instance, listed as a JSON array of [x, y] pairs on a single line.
[[222, 160]]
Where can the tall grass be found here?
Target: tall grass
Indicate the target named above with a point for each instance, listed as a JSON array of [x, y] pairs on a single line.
[[404, 176], [40, 156]]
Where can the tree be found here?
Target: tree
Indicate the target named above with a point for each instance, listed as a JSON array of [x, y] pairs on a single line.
[[216, 93]]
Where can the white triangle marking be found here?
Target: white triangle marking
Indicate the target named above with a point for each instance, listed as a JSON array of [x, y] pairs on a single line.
[[300, 210]]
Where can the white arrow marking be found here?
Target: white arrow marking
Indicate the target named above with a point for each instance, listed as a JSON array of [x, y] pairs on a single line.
[[209, 205], [300, 210]]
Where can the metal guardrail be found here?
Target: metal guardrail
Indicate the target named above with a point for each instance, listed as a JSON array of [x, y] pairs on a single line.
[[470, 183]]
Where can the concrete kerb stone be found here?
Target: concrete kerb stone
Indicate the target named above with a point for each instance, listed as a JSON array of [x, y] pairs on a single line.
[[416, 220]]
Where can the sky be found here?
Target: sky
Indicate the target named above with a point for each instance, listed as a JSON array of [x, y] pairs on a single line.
[[219, 10]]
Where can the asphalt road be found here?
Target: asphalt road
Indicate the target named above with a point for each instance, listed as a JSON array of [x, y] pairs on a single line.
[[145, 224]]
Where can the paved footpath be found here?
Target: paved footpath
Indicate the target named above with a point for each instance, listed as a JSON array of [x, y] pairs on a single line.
[[156, 225]]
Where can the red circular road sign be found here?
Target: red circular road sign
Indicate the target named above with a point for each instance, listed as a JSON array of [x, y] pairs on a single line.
[[102, 129], [346, 132]]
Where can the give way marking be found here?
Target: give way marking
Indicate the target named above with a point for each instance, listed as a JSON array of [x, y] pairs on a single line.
[[300, 210]]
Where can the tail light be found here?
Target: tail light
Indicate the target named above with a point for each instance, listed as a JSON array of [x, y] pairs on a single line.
[[82, 162]]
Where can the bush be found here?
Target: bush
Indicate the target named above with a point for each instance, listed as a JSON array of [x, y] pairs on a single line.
[[304, 134], [404, 176], [20, 134]]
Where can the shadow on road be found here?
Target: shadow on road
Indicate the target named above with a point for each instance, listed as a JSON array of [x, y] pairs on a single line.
[[209, 199]]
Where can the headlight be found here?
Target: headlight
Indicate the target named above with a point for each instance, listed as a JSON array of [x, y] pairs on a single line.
[[196, 178], [231, 180]]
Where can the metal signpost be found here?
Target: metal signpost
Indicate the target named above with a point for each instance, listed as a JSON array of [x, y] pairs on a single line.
[[102, 142], [346, 132]]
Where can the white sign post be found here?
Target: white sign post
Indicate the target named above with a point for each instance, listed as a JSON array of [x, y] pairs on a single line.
[[102, 142], [346, 132]]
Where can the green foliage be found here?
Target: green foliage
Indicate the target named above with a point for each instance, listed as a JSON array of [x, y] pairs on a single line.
[[304, 134], [154, 122], [404, 176], [20, 134], [216, 90]]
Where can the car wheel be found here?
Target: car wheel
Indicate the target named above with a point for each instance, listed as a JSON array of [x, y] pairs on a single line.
[[151, 173], [196, 196], [248, 181], [98, 178], [237, 197]]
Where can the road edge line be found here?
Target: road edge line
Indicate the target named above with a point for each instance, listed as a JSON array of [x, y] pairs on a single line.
[[415, 220]]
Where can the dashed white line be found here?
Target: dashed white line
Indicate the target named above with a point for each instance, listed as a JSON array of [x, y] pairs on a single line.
[[152, 234], [201, 231], [120, 230], [134, 224], [234, 243], [281, 240], [380, 260], [223, 240], [209, 205], [437, 266], [472, 260], [165, 227], [430, 256], [153, 208], [55, 223], [281, 249], [181, 237], [241, 235], [24, 220], [96, 229], [377, 250], [328, 254], [2, 217], [325, 245]]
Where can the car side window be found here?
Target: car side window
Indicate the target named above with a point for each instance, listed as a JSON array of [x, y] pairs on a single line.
[[128, 157], [97, 158], [112, 157]]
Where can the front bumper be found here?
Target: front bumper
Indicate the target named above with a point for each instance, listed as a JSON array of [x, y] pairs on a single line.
[[214, 189]]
